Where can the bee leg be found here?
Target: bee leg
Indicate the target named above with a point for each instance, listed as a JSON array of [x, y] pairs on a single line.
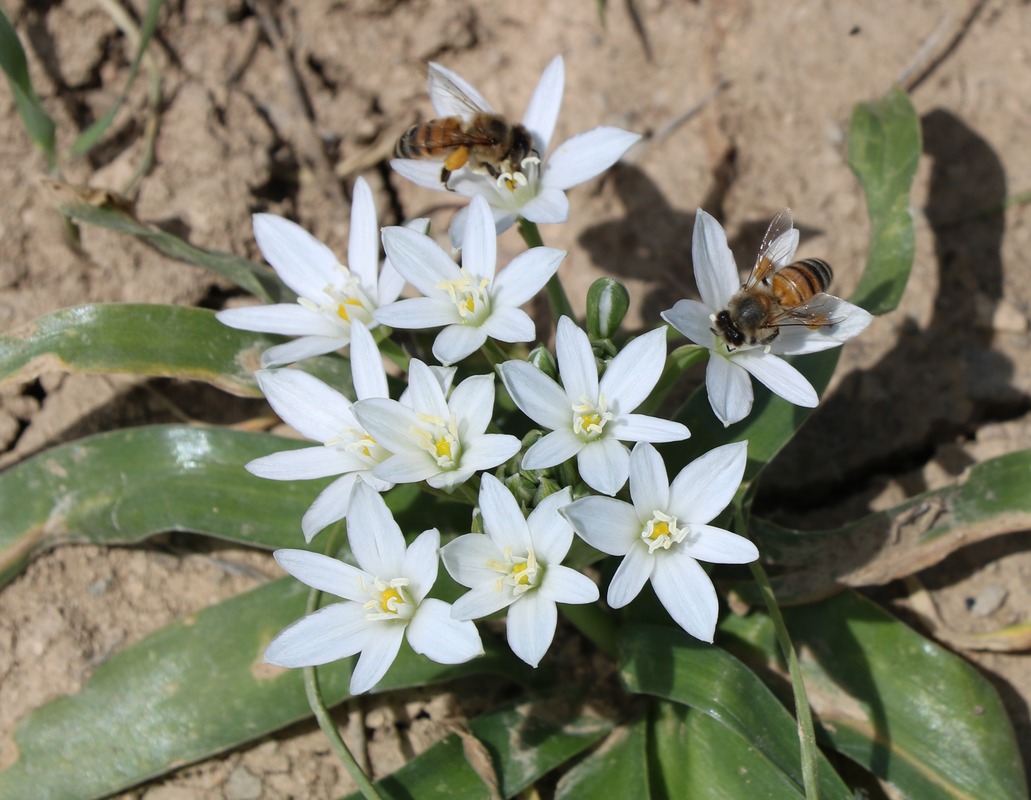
[[445, 176]]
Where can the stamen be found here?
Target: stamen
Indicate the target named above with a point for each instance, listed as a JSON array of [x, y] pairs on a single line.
[[589, 418], [662, 531]]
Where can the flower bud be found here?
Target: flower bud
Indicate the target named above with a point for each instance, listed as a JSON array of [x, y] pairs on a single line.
[[542, 358], [607, 304]]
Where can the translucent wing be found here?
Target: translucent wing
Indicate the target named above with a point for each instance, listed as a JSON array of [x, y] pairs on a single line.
[[819, 312], [777, 247], [452, 95]]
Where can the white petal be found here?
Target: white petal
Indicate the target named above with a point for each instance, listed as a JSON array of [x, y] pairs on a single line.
[[531, 627], [800, 340], [410, 467], [446, 101], [483, 599], [537, 395], [424, 391], [367, 373], [649, 485], [718, 546], [542, 111], [729, 389], [465, 559], [779, 377], [552, 448], [435, 634], [321, 572], [642, 428], [419, 259], [329, 507], [509, 325], [503, 520], [503, 216], [548, 207], [632, 573], [388, 422], [312, 407], [707, 485], [376, 540], [331, 633], [421, 563], [363, 242], [487, 451], [391, 282], [480, 243], [691, 318], [565, 585], [526, 275], [415, 313], [384, 641], [288, 319], [472, 405], [604, 465], [605, 523], [585, 155], [687, 593], [303, 263], [576, 362], [300, 349], [421, 173], [633, 373], [302, 465], [715, 271], [550, 532], [456, 342]]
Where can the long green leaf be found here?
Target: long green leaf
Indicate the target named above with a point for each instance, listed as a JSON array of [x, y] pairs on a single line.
[[994, 498], [256, 279], [192, 689], [38, 124], [513, 746], [917, 716], [667, 663], [121, 487], [618, 768]]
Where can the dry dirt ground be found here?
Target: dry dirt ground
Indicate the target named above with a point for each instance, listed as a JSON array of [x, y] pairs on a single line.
[[744, 105]]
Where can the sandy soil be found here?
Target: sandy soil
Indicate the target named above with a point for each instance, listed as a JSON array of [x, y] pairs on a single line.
[[277, 107]]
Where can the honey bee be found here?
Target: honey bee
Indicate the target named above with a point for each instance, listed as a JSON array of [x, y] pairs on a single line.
[[774, 298], [472, 135]]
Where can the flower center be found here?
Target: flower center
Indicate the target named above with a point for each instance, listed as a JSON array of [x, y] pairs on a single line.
[[440, 440], [359, 444], [662, 531], [520, 185], [470, 296], [347, 300], [589, 418], [519, 574], [389, 600]]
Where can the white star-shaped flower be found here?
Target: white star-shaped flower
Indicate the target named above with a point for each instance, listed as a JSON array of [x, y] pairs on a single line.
[[536, 190], [470, 302], [516, 563], [434, 438], [321, 413], [726, 376], [665, 532], [384, 599], [329, 295], [589, 417]]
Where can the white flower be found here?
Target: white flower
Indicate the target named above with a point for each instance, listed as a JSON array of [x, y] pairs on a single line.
[[536, 189], [329, 295], [726, 376], [384, 598], [433, 438], [517, 564], [664, 533], [587, 417], [323, 414], [470, 302]]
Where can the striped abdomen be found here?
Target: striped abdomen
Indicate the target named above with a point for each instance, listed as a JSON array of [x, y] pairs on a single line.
[[797, 283], [431, 139]]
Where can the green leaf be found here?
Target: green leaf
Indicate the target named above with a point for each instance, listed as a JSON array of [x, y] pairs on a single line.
[[256, 279], [994, 498], [86, 140], [619, 768], [38, 124], [667, 663], [883, 151], [917, 716], [123, 486], [159, 340], [186, 692]]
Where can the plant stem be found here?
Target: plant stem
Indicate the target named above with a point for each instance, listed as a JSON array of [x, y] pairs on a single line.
[[806, 734], [557, 300]]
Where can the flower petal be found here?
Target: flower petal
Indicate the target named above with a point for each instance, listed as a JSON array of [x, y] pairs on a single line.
[[715, 271], [503, 520], [419, 259], [300, 349], [484, 599], [376, 540], [605, 523], [456, 342], [305, 464], [585, 155], [288, 319], [632, 573], [537, 395], [642, 428], [564, 585], [367, 373], [509, 325], [552, 448], [421, 173], [303, 263], [576, 362], [329, 507], [434, 633], [707, 485], [604, 465], [379, 652], [331, 633], [687, 593], [718, 546], [531, 627], [415, 313], [798, 340], [312, 407], [472, 405], [693, 320], [363, 241], [526, 275], [480, 243], [421, 563], [729, 389], [324, 573], [550, 533], [407, 467], [465, 559], [633, 373], [649, 485], [425, 392], [779, 377], [487, 451], [549, 206], [542, 111]]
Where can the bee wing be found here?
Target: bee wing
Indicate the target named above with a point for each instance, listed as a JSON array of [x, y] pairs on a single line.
[[452, 95], [819, 312], [777, 248]]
